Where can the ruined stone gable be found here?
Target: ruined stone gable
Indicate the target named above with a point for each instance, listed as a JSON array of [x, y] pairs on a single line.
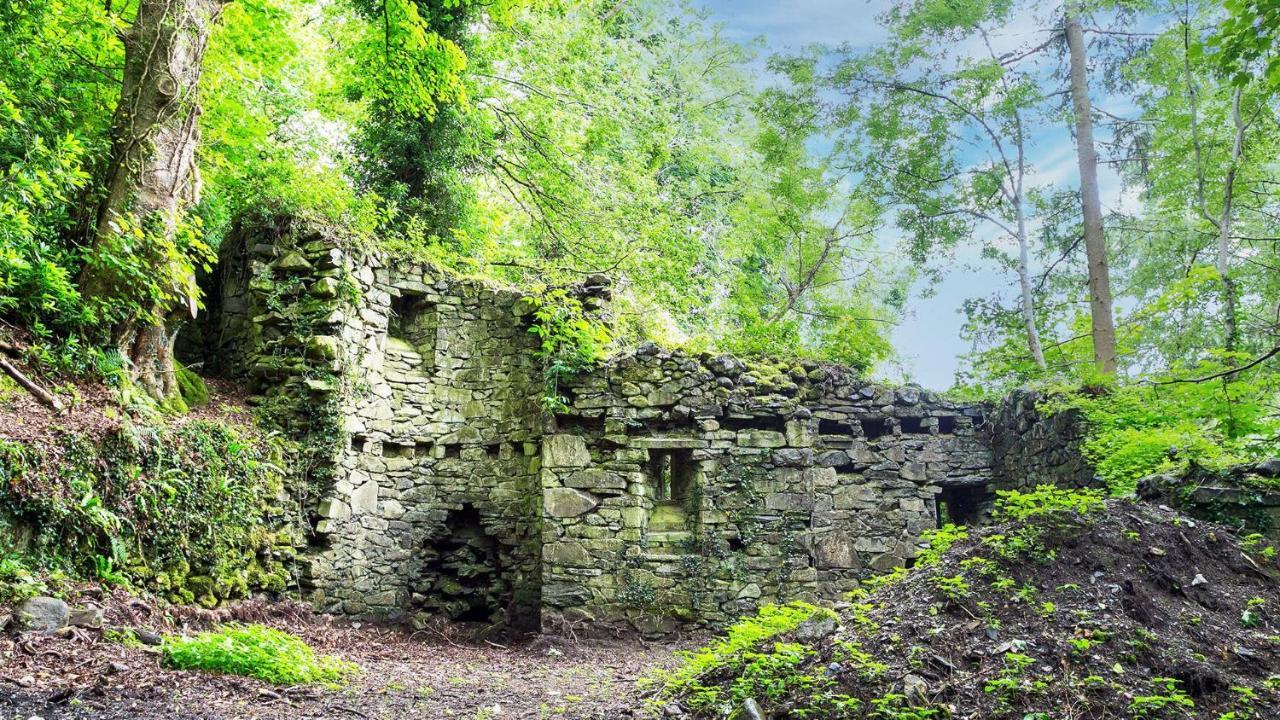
[[671, 489]]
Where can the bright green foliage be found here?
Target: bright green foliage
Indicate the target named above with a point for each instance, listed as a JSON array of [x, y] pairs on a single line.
[[761, 667], [1137, 430], [258, 652], [1037, 514], [940, 541], [17, 580], [569, 341], [51, 136], [1045, 503], [1167, 700], [692, 190]]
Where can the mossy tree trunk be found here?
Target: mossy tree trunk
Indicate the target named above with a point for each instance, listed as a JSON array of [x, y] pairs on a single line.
[[150, 181]]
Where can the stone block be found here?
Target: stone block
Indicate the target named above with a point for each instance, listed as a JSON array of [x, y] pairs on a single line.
[[835, 551], [364, 499], [567, 502], [565, 451], [41, 613], [568, 553], [761, 439], [798, 434]]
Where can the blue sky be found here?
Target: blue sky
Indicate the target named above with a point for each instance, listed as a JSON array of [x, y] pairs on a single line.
[[928, 339]]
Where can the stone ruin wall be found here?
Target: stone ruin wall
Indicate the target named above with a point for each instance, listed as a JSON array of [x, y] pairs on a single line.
[[671, 489], [696, 488], [1030, 448], [426, 390]]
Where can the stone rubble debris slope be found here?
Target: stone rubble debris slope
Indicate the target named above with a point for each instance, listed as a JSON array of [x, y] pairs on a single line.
[[1127, 611]]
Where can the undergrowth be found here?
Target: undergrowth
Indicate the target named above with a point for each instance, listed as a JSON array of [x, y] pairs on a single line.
[[258, 652], [186, 511], [1132, 431]]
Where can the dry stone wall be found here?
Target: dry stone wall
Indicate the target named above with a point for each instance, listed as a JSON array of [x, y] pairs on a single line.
[[670, 489], [696, 488], [1031, 448]]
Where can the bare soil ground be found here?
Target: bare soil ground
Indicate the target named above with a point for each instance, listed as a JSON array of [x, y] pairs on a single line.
[[419, 675]]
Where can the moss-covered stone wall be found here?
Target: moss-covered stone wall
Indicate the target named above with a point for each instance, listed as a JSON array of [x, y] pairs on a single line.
[[415, 395], [682, 488], [669, 488]]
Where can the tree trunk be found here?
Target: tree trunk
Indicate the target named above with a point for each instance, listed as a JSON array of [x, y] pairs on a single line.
[[152, 178], [1104, 330], [1024, 284], [1229, 300]]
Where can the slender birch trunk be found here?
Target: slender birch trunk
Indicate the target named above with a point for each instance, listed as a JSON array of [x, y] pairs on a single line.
[[1100, 305]]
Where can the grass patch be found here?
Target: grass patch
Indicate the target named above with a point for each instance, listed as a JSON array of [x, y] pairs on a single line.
[[258, 652]]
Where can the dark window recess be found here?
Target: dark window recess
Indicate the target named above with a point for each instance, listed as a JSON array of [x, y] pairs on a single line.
[[452, 451], [576, 423], [873, 428], [494, 450], [946, 424], [358, 443], [913, 425], [737, 545], [413, 320], [671, 472], [960, 505], [400, 451], [832, 427]]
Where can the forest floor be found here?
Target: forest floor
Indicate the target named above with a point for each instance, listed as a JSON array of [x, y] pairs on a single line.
[[82, 675]]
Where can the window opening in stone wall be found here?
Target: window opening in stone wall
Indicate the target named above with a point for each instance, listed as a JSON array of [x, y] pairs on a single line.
[[873, 428], [579, 425], [946, 424], [413, 321], [960, 505], [452, 451], [671, 472], [913, 425], [833, 427], [399, 451]]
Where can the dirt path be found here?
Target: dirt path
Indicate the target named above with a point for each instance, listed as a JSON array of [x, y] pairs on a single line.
[[403, 676]]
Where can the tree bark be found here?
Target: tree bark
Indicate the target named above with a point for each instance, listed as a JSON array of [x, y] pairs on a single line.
[[1225, 222], [152, 176], [1103, 326], [1024, 284]]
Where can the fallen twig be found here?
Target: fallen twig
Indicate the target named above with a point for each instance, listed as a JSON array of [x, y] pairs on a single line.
[[39, 393]]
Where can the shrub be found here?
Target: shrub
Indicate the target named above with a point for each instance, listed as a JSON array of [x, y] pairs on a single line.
[[258, 652], [756, 666]]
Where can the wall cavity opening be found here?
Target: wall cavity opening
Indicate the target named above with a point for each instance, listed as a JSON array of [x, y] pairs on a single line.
[[833, 427], [873, 428], [413, 322], [946, 425], [913, 425], [671, 473], [672, 477], [462, 575], [961, 504]]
